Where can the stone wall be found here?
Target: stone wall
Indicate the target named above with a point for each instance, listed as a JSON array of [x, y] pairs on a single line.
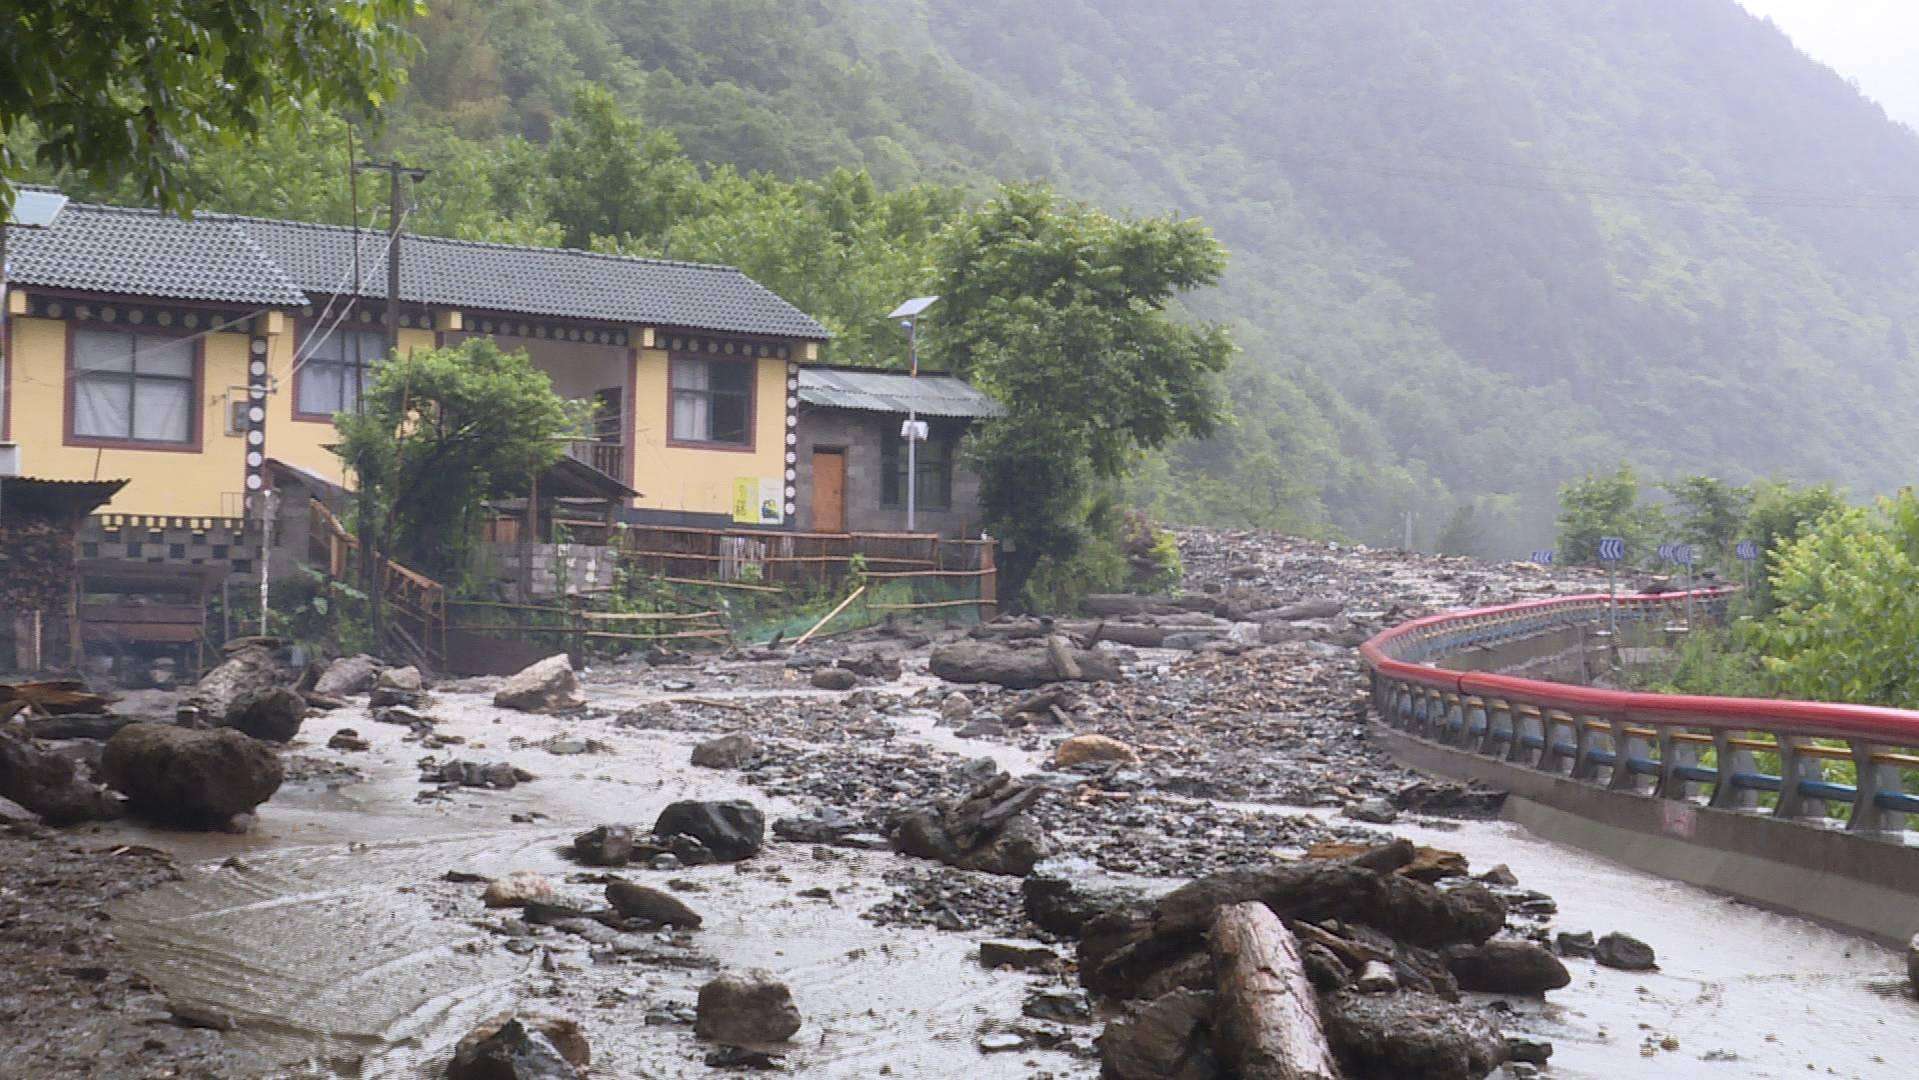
[[557, 568], [860, 434]]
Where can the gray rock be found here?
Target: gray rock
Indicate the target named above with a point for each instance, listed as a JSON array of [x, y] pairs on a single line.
[[1528, 1050], [251, 664], [604, 845], [12, 813], [1410, 1034], [407, 680], [1161, 1040], [1507, 966], [348, 675], [732, 830], [650, 905], [747, 1007], [726, 752], [1567, 943], [48, 785], [1012, 954], [198, 778], [1373, 811], [1376, 978], [1625, 953], [1018, 665], [271, 713], [548, 686], [509, 1051], [835, 678], [956, 708]]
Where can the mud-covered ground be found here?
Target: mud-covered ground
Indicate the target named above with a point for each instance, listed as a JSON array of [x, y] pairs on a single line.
[[345, 934]]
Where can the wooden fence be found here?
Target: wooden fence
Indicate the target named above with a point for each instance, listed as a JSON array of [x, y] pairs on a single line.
[[773, 562], [418, 600]]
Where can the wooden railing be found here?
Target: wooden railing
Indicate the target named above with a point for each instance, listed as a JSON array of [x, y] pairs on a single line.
[[418, 599], [607, 457]]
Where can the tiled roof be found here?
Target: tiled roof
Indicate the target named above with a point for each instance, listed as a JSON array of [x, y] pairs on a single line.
[[146, 253], [258, 261], [894, 392], [534, 281]]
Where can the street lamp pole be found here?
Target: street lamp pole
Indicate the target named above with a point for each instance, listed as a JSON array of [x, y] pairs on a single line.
[[909, 316]]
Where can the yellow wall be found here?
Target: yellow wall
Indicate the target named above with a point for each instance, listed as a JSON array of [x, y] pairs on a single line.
[[304, 442], [207, 483], [702, 480]]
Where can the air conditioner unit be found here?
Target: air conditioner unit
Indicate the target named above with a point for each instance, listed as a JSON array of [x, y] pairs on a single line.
[[9, 459]]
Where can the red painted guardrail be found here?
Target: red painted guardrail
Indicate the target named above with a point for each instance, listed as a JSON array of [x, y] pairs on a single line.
[[1612, 734]]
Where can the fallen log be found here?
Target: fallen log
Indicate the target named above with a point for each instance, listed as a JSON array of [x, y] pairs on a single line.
[[1265, 1015]]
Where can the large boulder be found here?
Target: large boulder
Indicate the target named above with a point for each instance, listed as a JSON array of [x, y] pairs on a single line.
[[348, 675], [745, 1008], [545, 687], [1394, 1036], [605, 845], [1507, 966], [198, 778], [518, 889], [251, 664], [270, 713], [515, 1050], [732, 829], [1019, 665], [49, 786]]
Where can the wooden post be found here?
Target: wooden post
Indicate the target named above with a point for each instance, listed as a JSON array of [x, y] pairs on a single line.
[[1266, 1018], [854, 595], [988, 583]]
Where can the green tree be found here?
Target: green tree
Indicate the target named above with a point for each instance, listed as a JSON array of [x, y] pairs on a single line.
[[1846, 608], [1711, 515], [120, 89], [1064, 314], [615, 177], [1781, 513], [441, 431], [1602, 505]]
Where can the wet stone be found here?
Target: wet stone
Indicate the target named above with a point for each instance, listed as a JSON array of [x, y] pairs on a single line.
[[1625, 952], [1007, 954], [746, 1008], [1568, 943]]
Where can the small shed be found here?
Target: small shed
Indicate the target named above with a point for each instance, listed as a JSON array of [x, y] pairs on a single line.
[[39, 566], [851, 460]]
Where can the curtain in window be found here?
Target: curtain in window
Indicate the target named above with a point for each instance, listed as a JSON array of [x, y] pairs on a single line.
[[337, 369], [691, 412], [132, 386]]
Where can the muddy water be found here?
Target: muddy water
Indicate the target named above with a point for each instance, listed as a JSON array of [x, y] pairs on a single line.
[[1744, 992], [330, 938]]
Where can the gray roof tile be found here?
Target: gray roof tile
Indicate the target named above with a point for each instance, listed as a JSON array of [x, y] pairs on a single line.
[[894, 392], [534, 281], [230, 258], [146, 253]]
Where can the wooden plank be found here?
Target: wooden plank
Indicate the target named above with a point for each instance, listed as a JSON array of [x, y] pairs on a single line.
[[141, 633], [143, 613]]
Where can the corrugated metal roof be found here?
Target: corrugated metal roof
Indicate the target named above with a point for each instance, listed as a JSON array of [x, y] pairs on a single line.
[[263, 262], [893, 392]]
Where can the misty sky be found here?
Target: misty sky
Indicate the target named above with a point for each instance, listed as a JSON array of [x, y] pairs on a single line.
[[1875, 42]]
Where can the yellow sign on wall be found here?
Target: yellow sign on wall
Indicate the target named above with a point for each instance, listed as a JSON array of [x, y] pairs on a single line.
[[756, 501]]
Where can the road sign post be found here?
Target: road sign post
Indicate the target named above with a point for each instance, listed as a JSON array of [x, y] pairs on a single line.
[[1611, 550]]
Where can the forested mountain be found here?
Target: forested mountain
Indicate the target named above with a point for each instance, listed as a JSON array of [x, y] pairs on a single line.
[[1477, 248]]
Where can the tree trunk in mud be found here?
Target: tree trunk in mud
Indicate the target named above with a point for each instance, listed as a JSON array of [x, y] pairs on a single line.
[[1266, 1019]]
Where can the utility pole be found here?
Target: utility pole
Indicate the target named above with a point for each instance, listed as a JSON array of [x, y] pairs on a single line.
[[909, 316], [372, 558], [396, 213]]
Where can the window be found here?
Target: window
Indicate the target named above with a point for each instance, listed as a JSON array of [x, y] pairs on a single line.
[[712, 401], [336, 367], [935, 462], [133, 387]]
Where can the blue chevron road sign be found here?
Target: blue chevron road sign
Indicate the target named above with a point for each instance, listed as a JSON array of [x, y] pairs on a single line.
[[1746, 550], [1611, 549], [1544, 558]]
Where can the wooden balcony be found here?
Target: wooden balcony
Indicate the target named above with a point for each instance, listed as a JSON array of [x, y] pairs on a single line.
[[606, 457]]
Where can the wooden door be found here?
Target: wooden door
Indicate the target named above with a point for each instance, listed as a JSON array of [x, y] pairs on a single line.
[[829, 490]]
